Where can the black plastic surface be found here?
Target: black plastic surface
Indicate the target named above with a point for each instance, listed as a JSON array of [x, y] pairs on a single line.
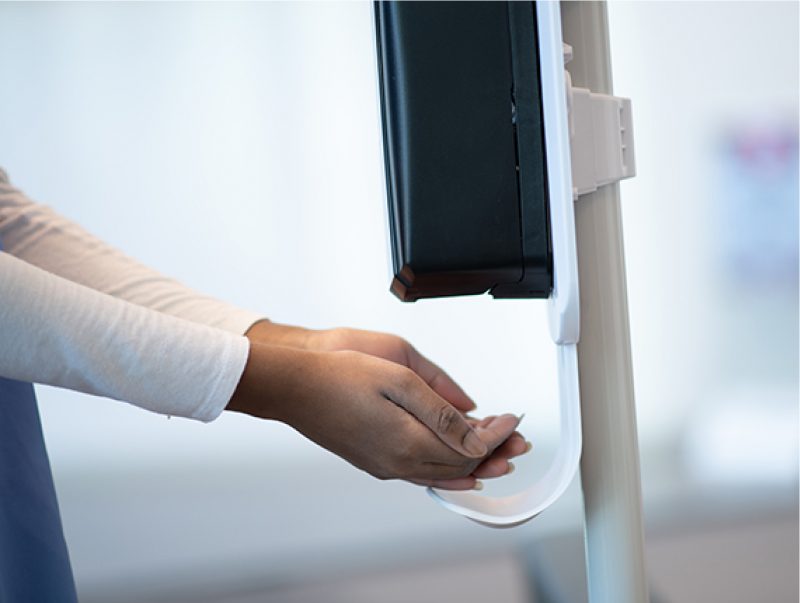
[[464, 149]]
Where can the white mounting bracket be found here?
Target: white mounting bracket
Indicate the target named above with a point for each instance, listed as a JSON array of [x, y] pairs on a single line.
[[601, 137]]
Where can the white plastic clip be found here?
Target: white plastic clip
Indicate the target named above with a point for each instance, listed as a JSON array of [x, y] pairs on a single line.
[[601, 137]]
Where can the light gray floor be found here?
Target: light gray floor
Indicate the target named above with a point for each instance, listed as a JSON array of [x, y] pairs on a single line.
[[698, 559], [500, 578]]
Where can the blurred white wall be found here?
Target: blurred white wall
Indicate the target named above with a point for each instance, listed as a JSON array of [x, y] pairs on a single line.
[[710, 335], [235, 146]]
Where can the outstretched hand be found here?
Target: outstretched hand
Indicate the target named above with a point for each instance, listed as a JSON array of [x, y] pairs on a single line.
[[398, 350], [372, 392]]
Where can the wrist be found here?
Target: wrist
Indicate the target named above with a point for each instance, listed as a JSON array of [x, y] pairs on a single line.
[[271, 382], [284, 384]]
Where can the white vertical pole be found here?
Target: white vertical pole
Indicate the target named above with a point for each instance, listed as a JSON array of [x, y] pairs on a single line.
[[614, 534]]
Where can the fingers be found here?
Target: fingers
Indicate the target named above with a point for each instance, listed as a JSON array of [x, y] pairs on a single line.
[[482, 422], [492, 431], [497, 465], [452, 428], [461, 483], [496, 431], [438, 380], [493, 467], [515, 445], [499, 434]]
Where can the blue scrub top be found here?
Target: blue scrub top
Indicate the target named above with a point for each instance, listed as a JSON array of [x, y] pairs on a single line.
[[34, 563]]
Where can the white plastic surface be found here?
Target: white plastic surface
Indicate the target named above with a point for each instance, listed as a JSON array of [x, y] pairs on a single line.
[[601, 133], [509, 511], [564, 303], [564, 317]]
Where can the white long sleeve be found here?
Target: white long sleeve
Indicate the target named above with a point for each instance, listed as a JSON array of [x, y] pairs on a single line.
[[38, 235], [79, 314], [57, 332]]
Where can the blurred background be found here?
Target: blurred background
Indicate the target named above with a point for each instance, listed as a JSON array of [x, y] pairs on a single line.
[[236, 147]]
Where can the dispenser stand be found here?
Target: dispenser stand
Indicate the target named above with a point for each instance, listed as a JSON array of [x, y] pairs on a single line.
[[610, 463]]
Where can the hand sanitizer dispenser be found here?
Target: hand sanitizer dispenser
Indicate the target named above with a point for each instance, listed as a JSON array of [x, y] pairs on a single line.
[[476, 138]]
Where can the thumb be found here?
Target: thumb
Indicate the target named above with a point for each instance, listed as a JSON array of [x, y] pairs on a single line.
[[497, 430], [441, 417]]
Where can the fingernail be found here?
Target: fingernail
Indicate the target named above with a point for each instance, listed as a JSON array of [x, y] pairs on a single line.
[[511, 468], [519, 420], [528, 447], [478, 485], [474, 445]]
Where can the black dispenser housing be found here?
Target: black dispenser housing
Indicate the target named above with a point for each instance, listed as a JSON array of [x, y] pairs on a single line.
[[464, 149]]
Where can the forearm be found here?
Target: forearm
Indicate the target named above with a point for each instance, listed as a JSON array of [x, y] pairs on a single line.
[[57, 332]]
